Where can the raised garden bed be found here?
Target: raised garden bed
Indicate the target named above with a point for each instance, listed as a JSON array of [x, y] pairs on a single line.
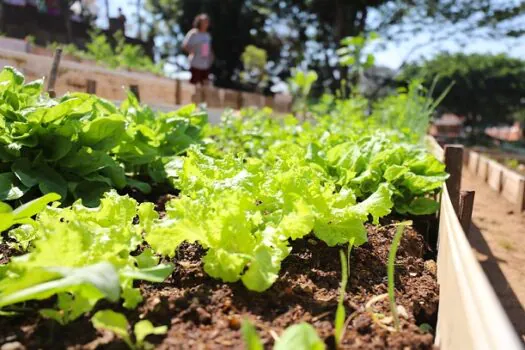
[[204, 312], [251, 242], [502, 179]]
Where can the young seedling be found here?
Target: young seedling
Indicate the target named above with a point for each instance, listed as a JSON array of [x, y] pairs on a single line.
[[340, 313], [252, 341], [391, 267], [117, 323], [300, 336]]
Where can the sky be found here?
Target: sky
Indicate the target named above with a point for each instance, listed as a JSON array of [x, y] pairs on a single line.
[[392, 56]]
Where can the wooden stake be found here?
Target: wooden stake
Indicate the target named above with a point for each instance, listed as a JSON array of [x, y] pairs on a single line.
[[91, 86], [135, 90], [466, 206], [178, 92], [454, 166], [520, 206], [54, 71], [240, 100]]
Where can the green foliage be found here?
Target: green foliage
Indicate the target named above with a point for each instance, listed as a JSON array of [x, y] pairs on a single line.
[[288, 180], [250, 337], [352, 56], [23, 214], [300, 85], [487, 88], [308, 32], [254, 60], [410, 109], [117, 323], [84, 253], [254, 184], [294, 199], [301, 336], [118, 55], [81, 146]]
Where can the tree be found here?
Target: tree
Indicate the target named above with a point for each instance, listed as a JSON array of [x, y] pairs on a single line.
[[307, 33], [488, 89], [65, 10], [235, 24]]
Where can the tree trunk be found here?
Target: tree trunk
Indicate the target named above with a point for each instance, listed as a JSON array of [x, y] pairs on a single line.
[[106, 4], [2, 21], [66, 15], [139, 21]]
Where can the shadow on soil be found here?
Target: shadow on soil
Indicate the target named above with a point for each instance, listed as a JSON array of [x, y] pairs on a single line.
[[510, 302]]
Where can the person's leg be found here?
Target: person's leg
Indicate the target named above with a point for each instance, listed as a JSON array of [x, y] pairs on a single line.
[[206, 77], [194, 76]]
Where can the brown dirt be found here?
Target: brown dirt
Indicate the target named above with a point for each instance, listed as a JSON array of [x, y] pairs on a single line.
[[497, 237], [203, 313]]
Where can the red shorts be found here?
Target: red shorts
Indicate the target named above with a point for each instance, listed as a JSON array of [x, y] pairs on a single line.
[[199, 76]]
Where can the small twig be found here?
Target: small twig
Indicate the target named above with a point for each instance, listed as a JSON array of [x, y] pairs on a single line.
[[347, 322], [274, 335], [54, 71], [323, 315]]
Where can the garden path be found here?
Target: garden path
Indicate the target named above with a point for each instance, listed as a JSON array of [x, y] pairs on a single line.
[[497, 236]]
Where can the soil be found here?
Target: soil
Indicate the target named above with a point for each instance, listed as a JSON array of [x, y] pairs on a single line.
[[204, 313], [496, 236]]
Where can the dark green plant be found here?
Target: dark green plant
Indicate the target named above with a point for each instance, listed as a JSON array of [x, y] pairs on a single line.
[[488, 89]]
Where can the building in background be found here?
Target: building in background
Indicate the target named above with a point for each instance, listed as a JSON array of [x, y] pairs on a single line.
[[48, 22], [449, 127]]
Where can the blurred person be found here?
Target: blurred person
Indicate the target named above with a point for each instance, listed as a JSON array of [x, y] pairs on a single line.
[[197, 44]]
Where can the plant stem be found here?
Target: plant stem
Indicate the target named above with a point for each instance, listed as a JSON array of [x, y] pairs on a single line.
[[340, 313], [350, 246], [390, 271]]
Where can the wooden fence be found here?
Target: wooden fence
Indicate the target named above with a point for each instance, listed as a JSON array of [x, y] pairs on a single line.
[[505, 181], [111, 84], [470, 316]]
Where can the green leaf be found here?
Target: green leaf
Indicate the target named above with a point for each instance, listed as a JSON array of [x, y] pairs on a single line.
[[223, 264], [56, 147], [378, 204], [70, 307], [143, 187], [299, 222], [25, 172], [265, 266], [394, 172], [35, 206], [60, 110], [144, 328], [10, 187], [152, 274], [91, 192], [33, 88], [335, 231], [252, 341], [103, 133], [112, 321], [132, 298], [299, 337], [92, 282], [49, 180], [10, 76], [421, 206], [146, 259], [5, 208]]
